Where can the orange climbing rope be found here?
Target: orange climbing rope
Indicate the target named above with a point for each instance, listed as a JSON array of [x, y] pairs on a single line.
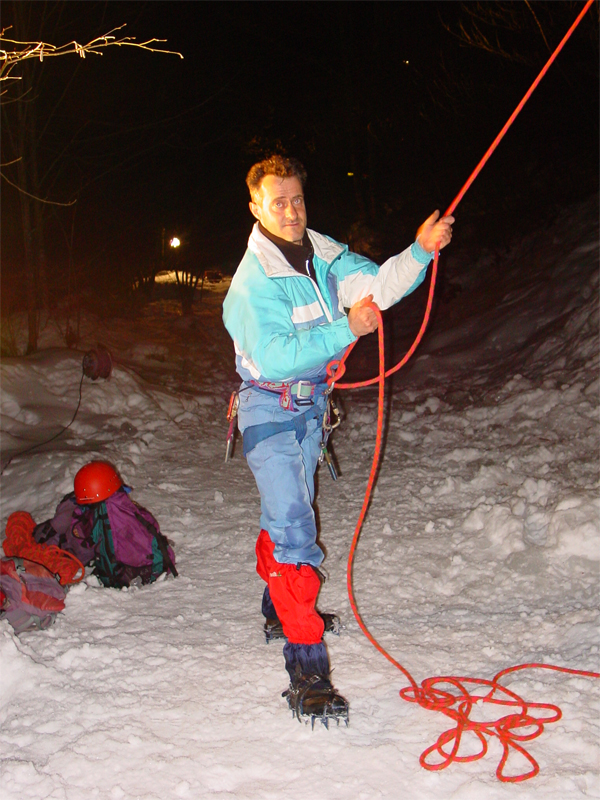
[[457, 697], [339, 367]]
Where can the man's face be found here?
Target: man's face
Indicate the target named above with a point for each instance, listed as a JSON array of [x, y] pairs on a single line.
[[279, 206]]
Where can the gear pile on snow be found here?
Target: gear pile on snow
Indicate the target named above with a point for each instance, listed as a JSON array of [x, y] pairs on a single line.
[[96, 525], [101, 525]]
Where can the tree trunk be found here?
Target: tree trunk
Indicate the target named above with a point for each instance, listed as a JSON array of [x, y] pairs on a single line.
[[28, 237]]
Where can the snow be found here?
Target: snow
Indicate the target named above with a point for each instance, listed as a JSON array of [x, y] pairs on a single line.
[[480, 551]]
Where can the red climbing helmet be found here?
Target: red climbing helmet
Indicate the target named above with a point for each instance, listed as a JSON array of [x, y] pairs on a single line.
[[95, 482]]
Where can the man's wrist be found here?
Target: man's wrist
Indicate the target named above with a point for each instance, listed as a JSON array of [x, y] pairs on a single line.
[[419, 253], [350, 331]]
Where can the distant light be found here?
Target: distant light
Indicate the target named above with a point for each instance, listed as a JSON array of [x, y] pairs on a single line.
[[350, 174], [405, 62], [174, 242]]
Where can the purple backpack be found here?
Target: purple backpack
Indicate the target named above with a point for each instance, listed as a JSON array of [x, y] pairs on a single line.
[[119, 537]]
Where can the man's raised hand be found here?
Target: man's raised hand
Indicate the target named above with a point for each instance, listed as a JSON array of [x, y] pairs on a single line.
[[435, 230]]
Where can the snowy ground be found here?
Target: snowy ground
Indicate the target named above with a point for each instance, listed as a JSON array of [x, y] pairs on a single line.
[[480, 551]]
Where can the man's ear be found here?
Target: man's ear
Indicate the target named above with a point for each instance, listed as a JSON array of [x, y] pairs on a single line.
[[255, 210]]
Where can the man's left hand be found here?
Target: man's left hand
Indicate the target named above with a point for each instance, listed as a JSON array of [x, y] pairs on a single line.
[[435, 230], [361, 317]]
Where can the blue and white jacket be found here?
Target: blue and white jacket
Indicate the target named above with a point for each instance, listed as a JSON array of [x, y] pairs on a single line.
[[288, 327]]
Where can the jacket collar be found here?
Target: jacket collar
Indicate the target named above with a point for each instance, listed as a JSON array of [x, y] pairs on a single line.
[[272, 260], [298, 256]]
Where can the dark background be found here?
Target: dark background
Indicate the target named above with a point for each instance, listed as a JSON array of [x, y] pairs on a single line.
[[388, 91]]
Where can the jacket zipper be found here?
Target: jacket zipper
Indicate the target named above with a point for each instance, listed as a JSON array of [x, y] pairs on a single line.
[[319, 296], [294, 273]]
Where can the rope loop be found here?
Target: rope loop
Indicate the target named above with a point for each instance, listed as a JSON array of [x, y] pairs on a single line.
[[520, 725], [337, 368]]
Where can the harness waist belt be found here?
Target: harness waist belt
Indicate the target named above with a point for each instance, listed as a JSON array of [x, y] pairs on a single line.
[[301, 392]]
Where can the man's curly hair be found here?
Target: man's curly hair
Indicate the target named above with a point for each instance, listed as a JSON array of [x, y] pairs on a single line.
[[277, 165]]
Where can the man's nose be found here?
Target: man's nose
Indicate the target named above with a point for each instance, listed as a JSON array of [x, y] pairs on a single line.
[[290, 212]]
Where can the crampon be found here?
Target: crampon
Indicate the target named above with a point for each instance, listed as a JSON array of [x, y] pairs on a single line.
[[313, 698], [273, 629]]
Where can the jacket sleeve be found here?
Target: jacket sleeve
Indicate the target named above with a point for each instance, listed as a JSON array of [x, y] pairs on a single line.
[[265, 335], [397, 277]]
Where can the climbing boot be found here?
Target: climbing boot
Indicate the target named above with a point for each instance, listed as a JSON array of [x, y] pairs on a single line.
[[312, 698]]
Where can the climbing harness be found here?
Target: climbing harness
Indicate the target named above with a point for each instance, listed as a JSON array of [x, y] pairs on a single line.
[[255, 434], [301, 391], [456, 697]]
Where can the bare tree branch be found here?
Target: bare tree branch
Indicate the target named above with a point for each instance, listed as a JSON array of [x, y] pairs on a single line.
[[17, 52], [504, 28], [537, 22], [40, 199]]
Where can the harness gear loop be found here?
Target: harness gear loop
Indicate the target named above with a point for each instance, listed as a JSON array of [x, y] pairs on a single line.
[[331, 420], [326, 456], [232, 410], [330, 409]]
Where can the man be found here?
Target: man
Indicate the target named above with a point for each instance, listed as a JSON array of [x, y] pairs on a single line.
[[286, 312]]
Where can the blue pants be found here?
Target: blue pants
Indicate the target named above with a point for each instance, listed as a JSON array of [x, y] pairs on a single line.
[[284, 466], [284, 471]]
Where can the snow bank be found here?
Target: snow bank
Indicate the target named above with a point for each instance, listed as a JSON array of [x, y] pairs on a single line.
[[480, 551]]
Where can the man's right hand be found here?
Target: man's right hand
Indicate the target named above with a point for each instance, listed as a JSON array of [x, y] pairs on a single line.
[[361, 317]]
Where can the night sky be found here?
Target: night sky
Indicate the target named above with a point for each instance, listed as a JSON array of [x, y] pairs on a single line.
[[383, 90]]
